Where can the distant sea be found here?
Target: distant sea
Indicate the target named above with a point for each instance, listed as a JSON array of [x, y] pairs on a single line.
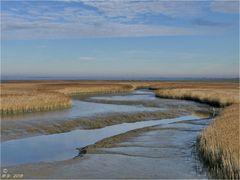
[[10, 78]]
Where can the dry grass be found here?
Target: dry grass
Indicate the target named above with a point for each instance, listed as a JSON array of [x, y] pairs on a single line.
[[32, 101], [219, 143], [32, 96], [218, 97], [195, 85], [96, 89]]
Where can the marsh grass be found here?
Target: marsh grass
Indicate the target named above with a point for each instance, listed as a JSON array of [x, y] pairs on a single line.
[[25, 97], [32, 96], [32, 102], [215, 97], [218, 145], [96, 89]]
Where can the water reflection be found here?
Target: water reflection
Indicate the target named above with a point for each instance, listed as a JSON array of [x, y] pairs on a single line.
[[79, 109], [63, 146]]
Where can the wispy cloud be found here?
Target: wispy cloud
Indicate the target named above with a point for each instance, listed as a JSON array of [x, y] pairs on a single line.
[[204, 22], [87, 58], [225, 6], [131, 9], [78, 19]]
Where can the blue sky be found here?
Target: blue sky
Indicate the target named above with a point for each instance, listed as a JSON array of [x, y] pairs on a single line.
[[120, 38]]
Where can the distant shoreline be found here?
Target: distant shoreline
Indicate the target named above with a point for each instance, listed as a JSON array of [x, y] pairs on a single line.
[[80, 78]]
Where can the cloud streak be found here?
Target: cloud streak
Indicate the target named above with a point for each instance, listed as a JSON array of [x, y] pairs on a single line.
[[225, 6], [87, 58], [204, 22], [80, 19], [132, 9]]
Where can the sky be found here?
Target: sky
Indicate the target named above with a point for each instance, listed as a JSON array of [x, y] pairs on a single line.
[[120, 38]]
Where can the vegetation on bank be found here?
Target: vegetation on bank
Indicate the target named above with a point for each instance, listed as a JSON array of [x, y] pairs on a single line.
[[23, 97], [96, 89], [215, 97], [218, 144], [13, 103]]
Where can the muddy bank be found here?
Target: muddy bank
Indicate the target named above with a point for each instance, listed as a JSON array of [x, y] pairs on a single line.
[[61, 121], [165, 151], [89, 113], [62, 146], [28, 129]]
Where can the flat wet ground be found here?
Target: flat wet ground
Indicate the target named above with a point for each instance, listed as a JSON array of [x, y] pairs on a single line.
[[149, 149], [165, 151], [63, 145], [141, 103]]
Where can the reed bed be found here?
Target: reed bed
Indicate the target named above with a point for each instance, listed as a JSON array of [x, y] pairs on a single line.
[[219, 143], [33, 96], [13, 103], [216, 97], [224, 85], [96, 89]]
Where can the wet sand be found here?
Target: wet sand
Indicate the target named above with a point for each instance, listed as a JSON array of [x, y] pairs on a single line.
[[162, 151], [165, 151], [89, 112]]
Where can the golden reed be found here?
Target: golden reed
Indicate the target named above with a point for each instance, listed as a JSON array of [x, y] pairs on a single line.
[[35, 96], [218, 144]]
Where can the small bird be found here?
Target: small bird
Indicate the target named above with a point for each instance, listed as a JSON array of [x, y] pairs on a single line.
[[82, 151]]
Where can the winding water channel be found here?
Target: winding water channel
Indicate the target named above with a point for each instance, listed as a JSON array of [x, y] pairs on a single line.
[[157, 148]]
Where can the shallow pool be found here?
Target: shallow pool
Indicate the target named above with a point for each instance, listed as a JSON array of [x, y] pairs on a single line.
[[63, 146]]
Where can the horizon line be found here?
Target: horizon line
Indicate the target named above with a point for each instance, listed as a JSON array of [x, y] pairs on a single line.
[[141, 78]]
